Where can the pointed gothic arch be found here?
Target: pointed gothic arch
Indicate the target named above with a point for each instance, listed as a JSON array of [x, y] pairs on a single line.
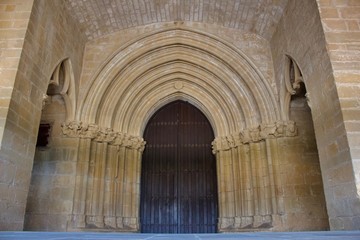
[[210, 70], [148, 73]]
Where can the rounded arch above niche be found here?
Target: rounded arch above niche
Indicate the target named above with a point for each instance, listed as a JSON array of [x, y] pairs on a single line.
[[218, 78]]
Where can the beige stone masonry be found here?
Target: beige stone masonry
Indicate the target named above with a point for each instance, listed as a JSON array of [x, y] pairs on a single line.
[[153, 69], [250, 16], [277, 80], [343, 42], [306, 43], [14, 174], [31, 29], [13, 25]]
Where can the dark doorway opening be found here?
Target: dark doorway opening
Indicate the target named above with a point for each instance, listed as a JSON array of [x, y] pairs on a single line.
[[178, 177]]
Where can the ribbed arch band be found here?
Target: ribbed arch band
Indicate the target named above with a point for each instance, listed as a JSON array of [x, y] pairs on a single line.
[[173, 64]]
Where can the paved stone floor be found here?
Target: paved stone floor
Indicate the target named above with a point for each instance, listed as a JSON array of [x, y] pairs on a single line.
[[343, 235]]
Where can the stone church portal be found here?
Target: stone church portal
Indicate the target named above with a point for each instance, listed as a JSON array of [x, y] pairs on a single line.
[[258, 99]]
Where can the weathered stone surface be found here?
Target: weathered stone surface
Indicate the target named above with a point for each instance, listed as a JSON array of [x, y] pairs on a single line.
[[33, 49], [96, 71], [101, 19], [344, 173]]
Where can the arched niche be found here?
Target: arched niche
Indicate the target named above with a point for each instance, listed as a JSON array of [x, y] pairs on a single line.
[[53, 172]]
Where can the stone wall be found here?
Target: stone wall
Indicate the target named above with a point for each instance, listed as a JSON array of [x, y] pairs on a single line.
[[302, 186], [14, 19], [340, 21], [51, 36], [13, 24], [283, 189], [50, 197], [300, 35]]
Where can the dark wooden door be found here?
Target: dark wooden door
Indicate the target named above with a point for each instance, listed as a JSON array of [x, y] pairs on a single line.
[[178, 177]]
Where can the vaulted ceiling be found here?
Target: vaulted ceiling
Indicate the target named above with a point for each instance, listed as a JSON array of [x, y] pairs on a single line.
[[101, 17]]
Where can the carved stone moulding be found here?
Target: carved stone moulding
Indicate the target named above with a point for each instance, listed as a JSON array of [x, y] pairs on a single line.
[[75, 129], [257, 134]]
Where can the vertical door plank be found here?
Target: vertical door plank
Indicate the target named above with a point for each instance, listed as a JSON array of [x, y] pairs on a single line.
[[178, 178]]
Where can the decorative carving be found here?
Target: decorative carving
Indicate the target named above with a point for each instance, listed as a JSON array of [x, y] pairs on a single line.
[[268, 130], [294, 85], [107, 135], [178, 85], [221, 144], [119, 139], [279, 129], [294, 77], [81, 130], [134, 142], [253, 135], [89, 131], [71, 129], [290, 129], [245, 136]]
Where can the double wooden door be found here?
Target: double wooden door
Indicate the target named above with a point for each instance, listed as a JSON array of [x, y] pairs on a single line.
[[178, 177]]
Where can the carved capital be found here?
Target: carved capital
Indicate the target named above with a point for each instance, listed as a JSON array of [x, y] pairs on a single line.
[[79, 129], [268, 130], [291, 129], [108, 135], [89, 131], [253, 135], [134, 142], [119, 139], [221, 144]]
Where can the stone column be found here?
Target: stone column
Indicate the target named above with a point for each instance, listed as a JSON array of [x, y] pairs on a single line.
[[85, 134], [111, 186], [127, 181], [108, 178], [248, 176], [82, 169], [97, 192]]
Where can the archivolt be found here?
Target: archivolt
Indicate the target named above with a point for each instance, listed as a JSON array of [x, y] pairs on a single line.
[[182, 64]]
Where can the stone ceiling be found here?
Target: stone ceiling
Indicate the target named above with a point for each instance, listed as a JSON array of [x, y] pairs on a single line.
[[101, 17]]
